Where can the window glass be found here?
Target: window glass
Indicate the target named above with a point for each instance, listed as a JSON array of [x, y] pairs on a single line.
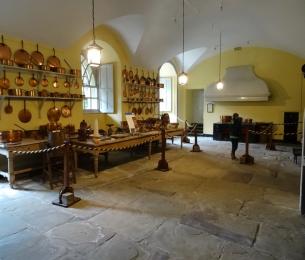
[[166, 94], [97, 87]]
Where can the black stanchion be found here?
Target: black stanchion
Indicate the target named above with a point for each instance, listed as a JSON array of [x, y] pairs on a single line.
[[246, 158], [66, 196], [196, 147], [163, 164]]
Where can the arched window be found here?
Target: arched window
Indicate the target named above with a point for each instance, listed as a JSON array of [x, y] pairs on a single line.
[[97, 87]]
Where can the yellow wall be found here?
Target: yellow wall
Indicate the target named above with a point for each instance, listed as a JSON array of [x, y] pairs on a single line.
[[281, 71], [114, 52]]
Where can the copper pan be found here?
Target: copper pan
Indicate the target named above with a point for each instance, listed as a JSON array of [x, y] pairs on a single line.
[[37, 57], [4, 82], [54, 114], [21, 56], [33, 81], [53, 61], [19, 81], [66, 111], [5, 51], [24, 115]]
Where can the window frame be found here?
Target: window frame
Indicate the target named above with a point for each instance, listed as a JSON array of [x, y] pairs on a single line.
[[171, 94]]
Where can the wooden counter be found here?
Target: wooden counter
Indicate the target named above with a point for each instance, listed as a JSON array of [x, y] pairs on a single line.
[[113, 144], [8, 150]]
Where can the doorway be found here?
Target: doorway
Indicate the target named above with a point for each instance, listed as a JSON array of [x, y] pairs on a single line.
[[291, 120]]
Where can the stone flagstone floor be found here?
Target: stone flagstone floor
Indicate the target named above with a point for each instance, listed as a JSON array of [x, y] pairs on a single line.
[[206, 207]]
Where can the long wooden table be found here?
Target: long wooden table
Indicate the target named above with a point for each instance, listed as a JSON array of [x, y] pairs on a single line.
[[105, 146], [9, 150]]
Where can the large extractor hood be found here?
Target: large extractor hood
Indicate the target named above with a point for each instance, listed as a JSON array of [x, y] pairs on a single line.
[[240, 84]]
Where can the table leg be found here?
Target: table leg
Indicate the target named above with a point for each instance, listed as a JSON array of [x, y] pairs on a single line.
[[181, 141], [95, 164], [10, 170], [149, 149], [75, 159]]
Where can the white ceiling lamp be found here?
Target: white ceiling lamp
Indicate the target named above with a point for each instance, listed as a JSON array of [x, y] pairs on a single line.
[[220, 84], [94, 51], [182, 79]]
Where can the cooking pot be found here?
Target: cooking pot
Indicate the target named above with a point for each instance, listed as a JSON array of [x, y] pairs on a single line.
[[21, 56], [33, 81], [2, 92], [54, 114], [19, 81], [75, 72], [4, 82], [56, 137], [53, 62], [37, 57], [11, 136], [5, 51], [61, 70], [31, 93], [6, 62], [66, 111], [15, 92], [44, 82]]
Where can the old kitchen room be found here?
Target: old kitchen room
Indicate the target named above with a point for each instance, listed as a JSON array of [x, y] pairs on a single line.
[[152, 129]]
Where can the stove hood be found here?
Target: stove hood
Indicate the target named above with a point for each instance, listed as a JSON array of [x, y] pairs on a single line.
[[240, 84]]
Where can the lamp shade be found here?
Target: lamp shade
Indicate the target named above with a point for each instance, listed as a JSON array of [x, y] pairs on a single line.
[[94, 55], [183, 78], [219, 85]]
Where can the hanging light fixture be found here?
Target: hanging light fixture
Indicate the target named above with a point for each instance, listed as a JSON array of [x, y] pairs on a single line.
[[94, 51], [182, 79], [219, 84]]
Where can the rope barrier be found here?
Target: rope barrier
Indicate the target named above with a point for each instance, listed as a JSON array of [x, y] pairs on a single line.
[[46, 150]]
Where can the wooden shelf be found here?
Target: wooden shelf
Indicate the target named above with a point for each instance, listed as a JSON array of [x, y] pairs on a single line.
[[143, 86]]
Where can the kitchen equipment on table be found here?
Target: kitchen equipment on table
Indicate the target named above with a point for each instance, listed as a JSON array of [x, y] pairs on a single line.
[[4, 82], [11, 136], [37, 57], [8, 109], [44, 82], [15, 92], [21, 56], [24, 115], [19, 81], [53, 61], [5, 51], [33, 81], [54, 114]]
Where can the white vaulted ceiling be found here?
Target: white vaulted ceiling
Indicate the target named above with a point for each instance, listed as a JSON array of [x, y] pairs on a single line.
[[152, 28]]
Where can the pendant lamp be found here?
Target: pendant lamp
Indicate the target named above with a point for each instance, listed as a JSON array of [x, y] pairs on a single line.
[[219, 84], [94, 51], [182, 78]]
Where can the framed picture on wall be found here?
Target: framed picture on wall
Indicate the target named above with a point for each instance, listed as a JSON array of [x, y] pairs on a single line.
[[210, 107]]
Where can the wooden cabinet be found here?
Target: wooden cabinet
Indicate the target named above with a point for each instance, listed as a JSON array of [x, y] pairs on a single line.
[[221, 132]]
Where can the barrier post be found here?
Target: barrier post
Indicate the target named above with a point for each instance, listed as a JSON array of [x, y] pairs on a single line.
[[246, 158]]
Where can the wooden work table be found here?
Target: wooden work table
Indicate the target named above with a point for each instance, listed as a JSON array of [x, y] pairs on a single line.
[[116, 144], [10, 151]]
